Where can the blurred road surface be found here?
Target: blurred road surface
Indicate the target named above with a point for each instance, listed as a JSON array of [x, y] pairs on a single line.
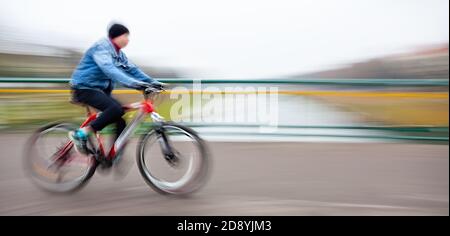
[[261, 178]]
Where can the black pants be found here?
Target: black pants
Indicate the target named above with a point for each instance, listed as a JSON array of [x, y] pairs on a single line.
[[112, 111]]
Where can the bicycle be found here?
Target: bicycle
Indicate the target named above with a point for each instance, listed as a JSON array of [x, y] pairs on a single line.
[[54, 172]]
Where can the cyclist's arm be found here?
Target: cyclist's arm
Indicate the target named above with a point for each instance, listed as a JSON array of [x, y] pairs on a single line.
[[138, 73], [104, 60]]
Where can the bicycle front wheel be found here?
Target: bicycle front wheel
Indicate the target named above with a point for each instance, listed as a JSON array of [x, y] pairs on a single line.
[[188, 173]]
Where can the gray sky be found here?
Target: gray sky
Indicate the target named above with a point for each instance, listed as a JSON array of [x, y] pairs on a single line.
[[237, 38]]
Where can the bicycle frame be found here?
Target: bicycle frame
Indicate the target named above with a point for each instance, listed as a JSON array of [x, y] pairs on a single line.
[[144, 108]]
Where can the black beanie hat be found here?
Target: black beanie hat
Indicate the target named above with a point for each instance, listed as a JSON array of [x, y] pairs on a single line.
[[116, 30]]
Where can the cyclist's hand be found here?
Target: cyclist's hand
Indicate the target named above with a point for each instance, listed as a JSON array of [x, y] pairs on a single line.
[[159, 86], [151, 87]]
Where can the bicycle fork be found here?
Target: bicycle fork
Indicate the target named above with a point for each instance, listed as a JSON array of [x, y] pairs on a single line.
[[166, 148], [164, 142]]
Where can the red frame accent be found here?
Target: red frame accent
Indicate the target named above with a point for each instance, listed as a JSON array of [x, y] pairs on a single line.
[[147, 106], [90, 118], [61, 152], [111, 153]]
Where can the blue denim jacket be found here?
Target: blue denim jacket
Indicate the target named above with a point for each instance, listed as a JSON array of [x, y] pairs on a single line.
[[101, 66]]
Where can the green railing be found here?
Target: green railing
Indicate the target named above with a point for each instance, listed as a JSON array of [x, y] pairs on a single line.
[[352, 82], [412, 133]]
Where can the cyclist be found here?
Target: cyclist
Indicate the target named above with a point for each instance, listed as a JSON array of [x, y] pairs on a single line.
[[93, 80]]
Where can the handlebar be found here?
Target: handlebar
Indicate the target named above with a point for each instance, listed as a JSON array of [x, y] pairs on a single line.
[[152, 90]]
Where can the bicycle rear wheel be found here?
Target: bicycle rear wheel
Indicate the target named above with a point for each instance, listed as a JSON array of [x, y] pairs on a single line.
[[52, 162], [188, 174]]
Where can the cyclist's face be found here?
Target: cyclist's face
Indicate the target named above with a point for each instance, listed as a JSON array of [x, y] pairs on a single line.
[[122, 40]]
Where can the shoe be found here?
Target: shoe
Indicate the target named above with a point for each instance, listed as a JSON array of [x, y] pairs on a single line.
[[79, 138]]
